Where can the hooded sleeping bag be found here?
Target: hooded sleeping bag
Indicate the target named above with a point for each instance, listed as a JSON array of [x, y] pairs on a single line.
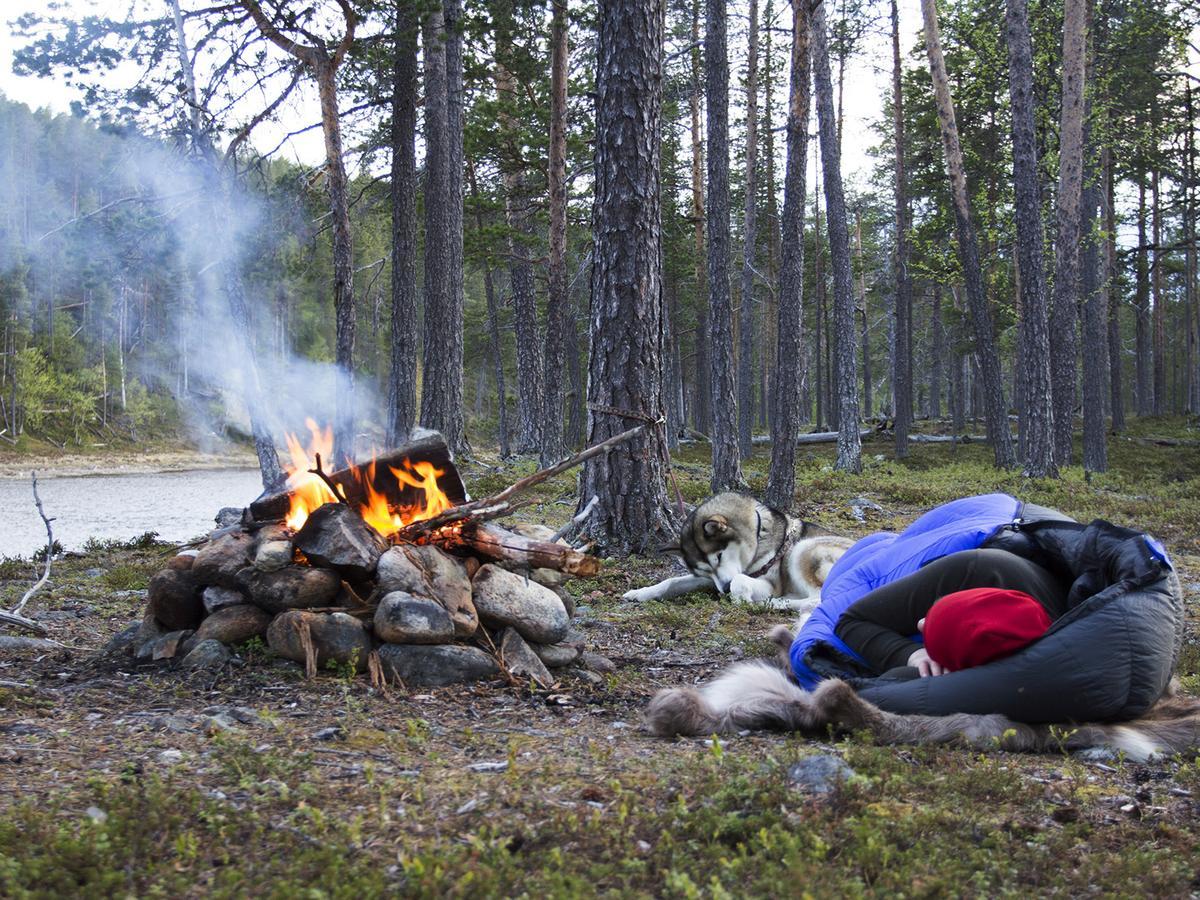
[[1109, 656]]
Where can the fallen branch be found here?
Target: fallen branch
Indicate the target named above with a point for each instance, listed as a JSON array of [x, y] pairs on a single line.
[[578, 520], [499, 545], [329, 483], [498, 504], [13, 616]]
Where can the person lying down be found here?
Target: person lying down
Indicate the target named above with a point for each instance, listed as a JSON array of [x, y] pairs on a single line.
[[989, 622]]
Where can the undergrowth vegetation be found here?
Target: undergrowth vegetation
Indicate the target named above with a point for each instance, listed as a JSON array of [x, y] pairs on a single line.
[[111, 789]]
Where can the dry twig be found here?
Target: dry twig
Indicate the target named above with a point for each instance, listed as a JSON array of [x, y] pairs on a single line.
[[13, 616]]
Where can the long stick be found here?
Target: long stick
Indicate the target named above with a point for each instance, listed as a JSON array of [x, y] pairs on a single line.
[[498, 503], [16, 611]]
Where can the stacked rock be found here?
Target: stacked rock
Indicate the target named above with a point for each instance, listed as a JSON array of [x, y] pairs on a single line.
[[336, 589]]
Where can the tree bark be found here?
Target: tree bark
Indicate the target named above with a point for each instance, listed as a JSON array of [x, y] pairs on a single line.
[[746, 337], [495, 345], [981, 316], [785, 424], [1115, 379], [726, 472], [402, 379], [849, 454], [1190, 274], [552, 449], [1095, 344], [1144, 395], [902, 358], [861, 309], [1037, 419], [702, 415], [938, 351], [441, 395], [625, 377], [1158, 316], [1064, 311]]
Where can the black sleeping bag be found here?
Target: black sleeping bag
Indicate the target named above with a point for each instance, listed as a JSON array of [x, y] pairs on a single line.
[[1109, 657]]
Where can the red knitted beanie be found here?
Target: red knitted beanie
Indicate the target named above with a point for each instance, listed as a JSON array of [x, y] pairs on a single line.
[[973, 627]]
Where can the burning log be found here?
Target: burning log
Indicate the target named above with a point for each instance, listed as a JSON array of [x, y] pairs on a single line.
[[380, 475]]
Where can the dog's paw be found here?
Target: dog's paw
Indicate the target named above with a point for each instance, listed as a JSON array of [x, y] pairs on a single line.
[[640, 595], [746, 589]]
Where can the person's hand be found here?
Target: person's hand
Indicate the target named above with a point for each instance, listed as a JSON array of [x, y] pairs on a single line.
[[924, 665]]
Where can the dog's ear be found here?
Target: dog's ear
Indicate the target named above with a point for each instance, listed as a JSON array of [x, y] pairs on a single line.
[[716, 525], [670, 548]]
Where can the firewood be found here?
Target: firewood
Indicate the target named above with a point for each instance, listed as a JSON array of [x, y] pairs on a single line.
[[500, 545], [431, 449], [500, 504]]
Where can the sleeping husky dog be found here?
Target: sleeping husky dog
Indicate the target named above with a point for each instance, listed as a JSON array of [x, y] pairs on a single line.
[[732, 544]]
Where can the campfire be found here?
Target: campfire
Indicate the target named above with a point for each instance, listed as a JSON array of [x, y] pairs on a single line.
[[385, 566]]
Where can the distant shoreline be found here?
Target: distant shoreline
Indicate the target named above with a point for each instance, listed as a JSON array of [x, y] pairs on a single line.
[[123, 462]]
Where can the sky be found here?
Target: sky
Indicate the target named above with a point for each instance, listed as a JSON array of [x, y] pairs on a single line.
[[865, 88]]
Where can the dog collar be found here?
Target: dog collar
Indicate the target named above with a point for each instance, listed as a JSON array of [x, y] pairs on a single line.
[[789, 541]]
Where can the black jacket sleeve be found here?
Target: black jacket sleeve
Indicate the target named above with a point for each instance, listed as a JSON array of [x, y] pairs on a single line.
[[881, 627]]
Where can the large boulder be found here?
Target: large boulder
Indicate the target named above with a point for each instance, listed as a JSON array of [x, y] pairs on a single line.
[[292, 587], [336, 637], [234, 624], [215, 597], [336, 536], [433, 666], [505, 598], [175, 599], [425, 571], [221, 559], [402, 618]]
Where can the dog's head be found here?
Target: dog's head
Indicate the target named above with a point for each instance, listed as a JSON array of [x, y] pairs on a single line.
[[720, 537]]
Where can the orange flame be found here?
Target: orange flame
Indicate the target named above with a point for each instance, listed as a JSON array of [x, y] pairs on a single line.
[[387, 516]]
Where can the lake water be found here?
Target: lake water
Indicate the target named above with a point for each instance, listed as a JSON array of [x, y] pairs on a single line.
[[178, 505]]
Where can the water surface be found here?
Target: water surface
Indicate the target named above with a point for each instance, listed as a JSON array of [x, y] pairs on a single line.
[[178, 505]]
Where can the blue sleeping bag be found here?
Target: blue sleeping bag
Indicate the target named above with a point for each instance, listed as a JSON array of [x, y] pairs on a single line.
[[883, 557], [1109, 657]]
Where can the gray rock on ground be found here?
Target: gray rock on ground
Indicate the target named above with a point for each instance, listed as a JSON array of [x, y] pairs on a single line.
[[435, 665], [425, 571], [271, 556], [820, 773], [292, 587], [402, 618], [555, 656], [521, 660], [336, 637], [595, 662], [165, 646], [505, 598], [207, 655], [123, 641], [234, 624]]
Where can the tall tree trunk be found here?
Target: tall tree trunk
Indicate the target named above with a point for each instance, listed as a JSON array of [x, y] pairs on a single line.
[[1095, 300], [556, 305], [746, 338], [495, 346], [937, 352], [441, 395], [861, 309], [451, 422], [625, 378], [902, 358], [576, 397], [849, 452], [727, 472], [1115, 379], [1158, 320], [703, 343], [770, 317], [1190, 274], [785, 424], [821, 331], [968, 249], [402, 379], [1144, 396], [1037, 433], [1064, 312]]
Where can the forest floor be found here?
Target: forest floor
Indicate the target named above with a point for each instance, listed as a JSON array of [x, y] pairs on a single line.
[[128, 779]]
